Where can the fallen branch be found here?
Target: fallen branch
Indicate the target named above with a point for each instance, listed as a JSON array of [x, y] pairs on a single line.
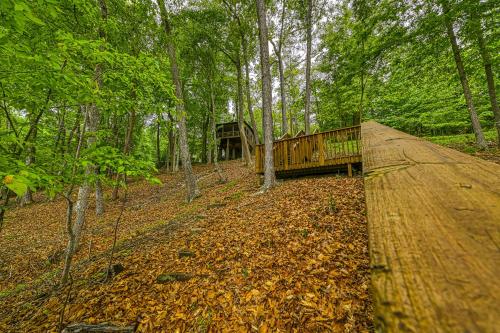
[[99, 328]]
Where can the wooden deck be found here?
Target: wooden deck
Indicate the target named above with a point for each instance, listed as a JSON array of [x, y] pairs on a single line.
[[434, 226], [314, 153]]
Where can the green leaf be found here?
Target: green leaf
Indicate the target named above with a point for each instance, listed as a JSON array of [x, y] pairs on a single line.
[[17, 186]]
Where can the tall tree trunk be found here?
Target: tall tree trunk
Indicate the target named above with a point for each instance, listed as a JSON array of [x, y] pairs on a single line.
[[171, 142], [61, 133], [71, 247], [476, 125], [247, 90], [4, 196], [192, 188], [30, 159], [362, 81], [485, 55], [75, 129], [158, 154], [278, 50], [213, 134], [92, 124], [204, 138], [211, 124], [267, 99], [307, 105], [84, 190], [176, 154], [99, 196], [284, 120], [241, 120]]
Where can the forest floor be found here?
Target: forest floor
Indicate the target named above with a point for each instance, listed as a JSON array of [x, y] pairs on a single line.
[[466, 144], [293, 259]]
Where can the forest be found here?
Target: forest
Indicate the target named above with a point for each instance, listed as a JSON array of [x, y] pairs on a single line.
[[108, 106]]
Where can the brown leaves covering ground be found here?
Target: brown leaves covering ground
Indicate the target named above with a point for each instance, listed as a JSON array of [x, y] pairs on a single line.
[[293, 259]]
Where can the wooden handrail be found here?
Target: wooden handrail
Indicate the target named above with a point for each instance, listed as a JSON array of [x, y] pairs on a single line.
[[340, 146]]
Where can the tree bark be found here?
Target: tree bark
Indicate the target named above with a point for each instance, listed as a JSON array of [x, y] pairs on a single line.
[[70, 228], [278, 50], [192, 188], [158, 154], [241, 123], [213, 133], [30, 159], [204, 138], [84, 190], [476, 125], [284, 120], [92, 124], [247, 89], [211, 123], [307, 105], [171, 143], [99, 196], [485, 55], [267, 99]]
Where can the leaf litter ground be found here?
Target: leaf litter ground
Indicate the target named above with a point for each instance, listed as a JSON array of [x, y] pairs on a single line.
[[293, 259]]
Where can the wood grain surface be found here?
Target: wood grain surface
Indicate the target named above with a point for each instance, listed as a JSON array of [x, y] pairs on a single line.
[[434, 226]]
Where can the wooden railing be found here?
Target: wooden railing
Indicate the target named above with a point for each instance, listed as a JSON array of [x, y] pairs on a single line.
[[337, 147], [228, 134]]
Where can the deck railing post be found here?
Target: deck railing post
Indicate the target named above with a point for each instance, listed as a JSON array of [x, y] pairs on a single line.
[[321, 150], [285, 154]]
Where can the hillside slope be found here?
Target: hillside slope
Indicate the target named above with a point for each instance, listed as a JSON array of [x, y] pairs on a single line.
[[293, 259]]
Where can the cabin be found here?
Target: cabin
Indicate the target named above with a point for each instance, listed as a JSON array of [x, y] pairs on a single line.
[[228, 135]]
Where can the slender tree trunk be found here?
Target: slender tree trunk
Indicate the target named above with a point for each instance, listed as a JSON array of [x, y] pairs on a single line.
[[176, 154], [284, 120], [30, 159], [192, 188], [171, 142], [84, 190], [4, 196], [70, 228], [72, 243], [362, 81], [247, 90], [278, 50], [307, 104], [267, 99], [92, 124], [485, 55], [99, 196], [158, 154], [241, 123], [211, 124], [213, 133], [476, 125], [204, 138], [60, 140], [75, 129]]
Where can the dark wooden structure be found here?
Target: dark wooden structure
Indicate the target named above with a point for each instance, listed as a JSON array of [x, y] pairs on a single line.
[[230, 141], [315, 153]]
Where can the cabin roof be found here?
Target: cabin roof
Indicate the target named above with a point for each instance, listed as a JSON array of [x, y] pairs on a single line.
[[235, 122]]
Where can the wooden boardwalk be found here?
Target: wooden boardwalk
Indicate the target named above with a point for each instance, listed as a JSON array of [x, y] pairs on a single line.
[[434, 226]]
